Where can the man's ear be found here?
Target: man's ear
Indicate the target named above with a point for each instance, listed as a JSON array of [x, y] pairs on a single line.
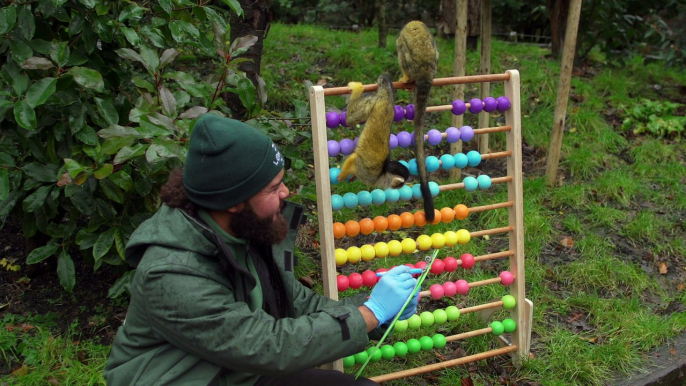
[[236, 208]]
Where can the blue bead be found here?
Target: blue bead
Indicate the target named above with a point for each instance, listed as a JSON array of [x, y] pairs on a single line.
[[378, 197], [416, 191], [350, 200], [474, 158], [333, 175], [447, 162], [461, 160], [434, 188], [413, 167], [432, 164], [470, 184], [336, 202], [364, 198], [405, 193], [392, 195], [484, 181]]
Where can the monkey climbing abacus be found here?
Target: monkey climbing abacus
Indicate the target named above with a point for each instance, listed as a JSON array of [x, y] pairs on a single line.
[[520, 308]]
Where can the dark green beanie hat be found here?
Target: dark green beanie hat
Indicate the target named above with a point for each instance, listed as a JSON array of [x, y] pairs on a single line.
[[228, 162]]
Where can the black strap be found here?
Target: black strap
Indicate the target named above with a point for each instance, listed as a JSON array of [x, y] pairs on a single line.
[[345, 330]]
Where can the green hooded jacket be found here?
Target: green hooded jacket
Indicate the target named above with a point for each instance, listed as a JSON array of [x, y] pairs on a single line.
[[188, 322]]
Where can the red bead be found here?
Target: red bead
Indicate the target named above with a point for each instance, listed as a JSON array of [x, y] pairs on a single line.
[[342, 282], [462, 287], [355, 280], [437, 267], [449, 288], [380, 270], [420, 264], [436, 291], [467, 261], [409, 265], [450, 264], [506, 278], [369, 278]]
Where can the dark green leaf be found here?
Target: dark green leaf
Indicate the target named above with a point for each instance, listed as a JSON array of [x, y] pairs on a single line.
[[25, 115], [242, 44], [89, 3], [114, 144], [6, 160], [85, 239], [235, 6], [180, 29], [40, 91], [129, 54], [8, 204], [119, 131], [193, 112], [151, 156], [119, 242], [107, 111], [5, 103], [21, 50], [142, 83], [246, 93], [88, 136], [59, 53], [166, 5], [126, 153], [132, 11], [76, 58], [37, 63], [87, 78], [112, 191], [168, 102], [122, 179], [104, 171], [131, 35], [168, 56], [150, 59], [154, 34], [41, 253], [73, 167], [81, 200], [20, 83], [4, 184], [121, 285], [26, 23], [103, 244], [8, 16], [102, 8], [40, 172], [66, 271]]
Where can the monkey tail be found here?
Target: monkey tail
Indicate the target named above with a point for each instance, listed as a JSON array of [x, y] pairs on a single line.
[[422, 91]]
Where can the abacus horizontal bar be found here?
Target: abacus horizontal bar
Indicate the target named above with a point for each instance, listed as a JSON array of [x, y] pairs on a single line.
[[491, 231], [484, 208], [468, 334], [444, 365], [479, 283], [482, 131], [481, 307], [497, 255], [437, 82], [460, 185]]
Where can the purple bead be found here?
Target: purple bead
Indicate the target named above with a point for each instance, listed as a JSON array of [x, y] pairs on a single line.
[[459, 107], [490, 104], [334, 148], [404, 139], [399, 113], [332, 119], [393, 141], [503, 103], [435, 137], [347, 146], [343, 122], [409, 112], [453, 134], [466, 133], [475, 105]]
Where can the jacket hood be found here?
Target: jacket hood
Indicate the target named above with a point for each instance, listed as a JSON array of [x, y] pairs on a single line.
[[163, 229]]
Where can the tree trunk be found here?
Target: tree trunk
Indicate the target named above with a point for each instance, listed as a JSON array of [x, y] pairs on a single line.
[[381, 18], [255, 21], [559, 9], [473, 23], [445, 26]]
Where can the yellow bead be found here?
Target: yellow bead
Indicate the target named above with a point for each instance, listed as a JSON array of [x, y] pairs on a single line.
[[368, 252], [450, 238], [354, 255], [381, 249], [437, 240], [424, 242], [395, 248], [408, 245], [341, 257], [463, 236]]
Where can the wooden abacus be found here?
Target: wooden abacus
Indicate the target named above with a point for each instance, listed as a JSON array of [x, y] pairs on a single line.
[[522, 312]]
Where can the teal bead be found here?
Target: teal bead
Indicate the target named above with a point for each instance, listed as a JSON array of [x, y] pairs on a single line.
[[439, 341], [426, 342], [413, 167], [509, 325], [387, 352], [434, 188], [461, 160], [400, 349], [392, 195], [350, 200], [447, 162], [336, 202], [405, 193], [333, 175], [364, 198], [378, 197], [416, 191], [470, 184], [432, 164], [497, 327], [404, 163], [484, 181], [474, 158], [349, 361]]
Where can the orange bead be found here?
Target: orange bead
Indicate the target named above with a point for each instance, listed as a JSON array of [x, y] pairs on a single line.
[[380, 223], [461, 211], [407, 219], [419, 218], [437, 217], [394, 222], [352, 228], [338, 230], [447, 215], [366, 226]]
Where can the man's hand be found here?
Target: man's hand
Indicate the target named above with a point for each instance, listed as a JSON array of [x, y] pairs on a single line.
[[390, 293]]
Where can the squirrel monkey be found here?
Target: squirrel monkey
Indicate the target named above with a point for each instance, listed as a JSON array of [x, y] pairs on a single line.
[[418, 60], [371, 161]]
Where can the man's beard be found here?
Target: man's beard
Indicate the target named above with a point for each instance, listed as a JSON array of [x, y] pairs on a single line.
[[249, 226]]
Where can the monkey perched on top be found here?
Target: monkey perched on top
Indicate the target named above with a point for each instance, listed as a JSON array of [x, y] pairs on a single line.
[[371, 161], [418, 59]]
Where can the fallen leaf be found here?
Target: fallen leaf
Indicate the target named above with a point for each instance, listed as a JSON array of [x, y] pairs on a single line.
[[52, 380], [680, 287], [576, 316], [672, 351], [663, 269], [22, 371], [467, 381], [567, 241]]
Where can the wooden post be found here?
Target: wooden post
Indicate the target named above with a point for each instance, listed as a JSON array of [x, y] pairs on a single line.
[[563, 92], [459, 70], [484, 117]]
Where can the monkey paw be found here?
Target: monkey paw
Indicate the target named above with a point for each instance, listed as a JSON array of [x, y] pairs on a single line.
[[356, 86]]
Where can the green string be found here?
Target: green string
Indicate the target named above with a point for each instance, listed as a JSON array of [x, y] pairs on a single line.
[[390, 328]]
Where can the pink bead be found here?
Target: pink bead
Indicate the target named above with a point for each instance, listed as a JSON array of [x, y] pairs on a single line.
[[461, 285], [419, 297], [449, 288], [467, 261], [355, 280], [450, 264], [369, 278], [437, 267], [506, 278], [342, 282], [436, 291]]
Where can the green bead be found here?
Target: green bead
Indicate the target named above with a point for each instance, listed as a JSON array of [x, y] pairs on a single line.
[[400, 349], [439, 340], [426, 343], [376, 356], [414, 322], [497, 328], [361, 357], [413, 346], [400, 326], [440, 316], [349, 361], [453, 313], [509, 302], [427, 319], [509, 325], [387, 351]]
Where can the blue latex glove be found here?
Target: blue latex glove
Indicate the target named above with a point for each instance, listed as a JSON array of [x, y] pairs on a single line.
[[411, 308], [390, 293]]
